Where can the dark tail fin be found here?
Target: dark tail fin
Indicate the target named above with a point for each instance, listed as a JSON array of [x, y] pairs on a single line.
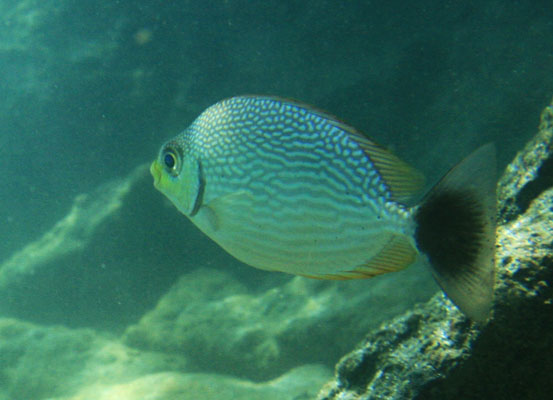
[[455, 228]]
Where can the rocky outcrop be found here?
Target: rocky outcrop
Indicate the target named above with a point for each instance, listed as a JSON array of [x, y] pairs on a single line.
[[434, 352], [222, 326], [57, 363], [72, 233]]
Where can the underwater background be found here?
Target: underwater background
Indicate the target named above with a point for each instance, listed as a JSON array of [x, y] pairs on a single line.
[[115, 287]]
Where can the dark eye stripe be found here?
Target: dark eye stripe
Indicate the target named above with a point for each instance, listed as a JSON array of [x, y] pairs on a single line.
[[200, 194]]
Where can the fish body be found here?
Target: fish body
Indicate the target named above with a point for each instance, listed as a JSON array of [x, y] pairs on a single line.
[[284, 187]]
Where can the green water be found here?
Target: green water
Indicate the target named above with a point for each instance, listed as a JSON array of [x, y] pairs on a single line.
[[141, 299]]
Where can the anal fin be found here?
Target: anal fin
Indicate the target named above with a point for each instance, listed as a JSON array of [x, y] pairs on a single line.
[[397, 254]]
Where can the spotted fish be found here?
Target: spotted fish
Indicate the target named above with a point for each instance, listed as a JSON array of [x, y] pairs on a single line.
[[285, 187]]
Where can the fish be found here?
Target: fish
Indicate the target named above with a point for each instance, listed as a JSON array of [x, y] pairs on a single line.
[[283, 186]]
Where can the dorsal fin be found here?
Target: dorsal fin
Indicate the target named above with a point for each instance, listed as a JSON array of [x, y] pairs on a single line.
[[402, 180]]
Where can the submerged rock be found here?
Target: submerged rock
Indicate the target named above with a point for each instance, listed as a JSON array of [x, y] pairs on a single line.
[[38, 362], [222, 326], [81, 272], [71, 234], [57, 363], [434, 352], [298, 383]]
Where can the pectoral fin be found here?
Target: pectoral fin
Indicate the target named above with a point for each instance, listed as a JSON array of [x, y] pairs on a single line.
[[225, 211]]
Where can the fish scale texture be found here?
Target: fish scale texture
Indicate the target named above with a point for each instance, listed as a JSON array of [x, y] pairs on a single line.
[[285, 187]]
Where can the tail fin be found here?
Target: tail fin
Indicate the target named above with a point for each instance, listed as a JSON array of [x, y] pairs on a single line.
[[455, 228]]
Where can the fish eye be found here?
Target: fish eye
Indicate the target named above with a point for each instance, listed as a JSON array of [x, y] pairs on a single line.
[[170, 159]]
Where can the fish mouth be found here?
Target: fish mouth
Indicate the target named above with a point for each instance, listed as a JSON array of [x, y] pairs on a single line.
[[155, 170]]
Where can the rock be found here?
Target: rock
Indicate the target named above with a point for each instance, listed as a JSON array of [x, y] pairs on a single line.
[[299, 383], [72, 233], [39, 362], [57, 363], [76, 273], [529, 174], [434, 352], [222, 326]]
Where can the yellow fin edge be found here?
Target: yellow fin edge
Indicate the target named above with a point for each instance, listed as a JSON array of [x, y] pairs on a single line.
[[396, 255], [403, 180]]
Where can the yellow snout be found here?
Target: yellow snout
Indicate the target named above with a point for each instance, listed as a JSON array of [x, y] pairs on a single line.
[[156, 170]]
